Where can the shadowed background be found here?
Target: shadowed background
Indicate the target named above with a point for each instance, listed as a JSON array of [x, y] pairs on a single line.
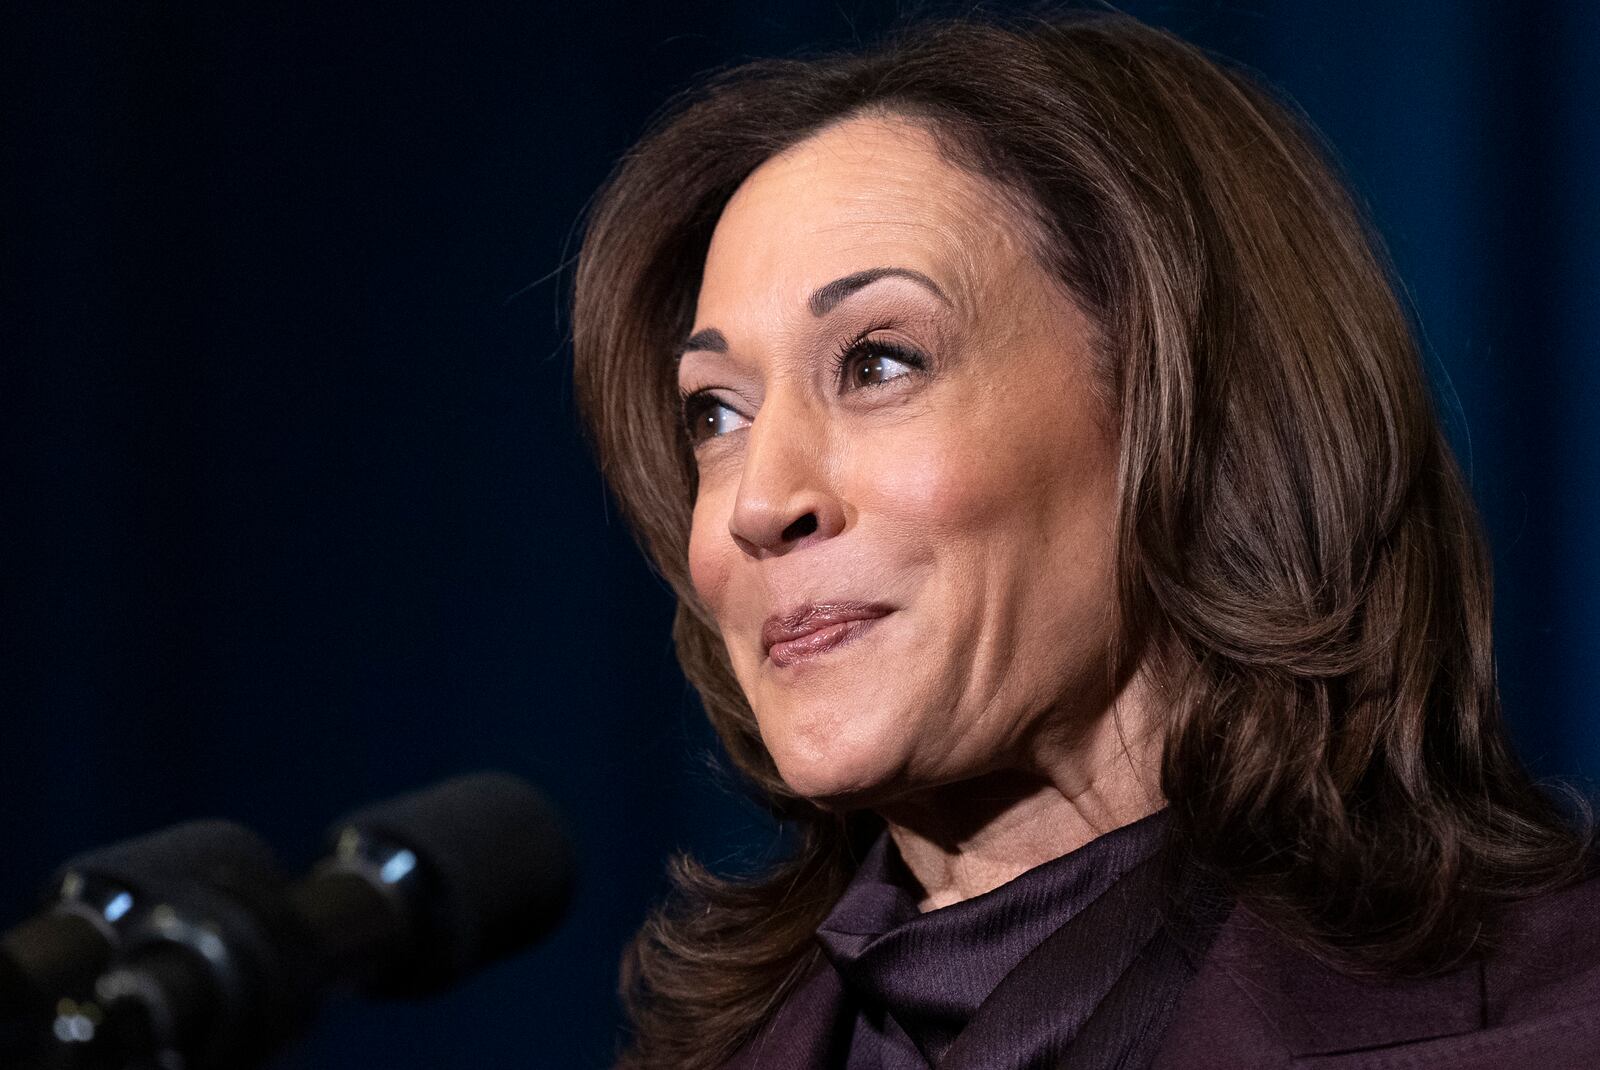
[[294, 508]]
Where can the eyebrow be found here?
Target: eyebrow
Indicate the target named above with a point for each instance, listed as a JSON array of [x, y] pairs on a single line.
[[830, 294], [821, 302], [709, 340]]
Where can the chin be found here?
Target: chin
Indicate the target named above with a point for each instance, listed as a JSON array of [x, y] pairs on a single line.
[[840, 734], [832, 770]]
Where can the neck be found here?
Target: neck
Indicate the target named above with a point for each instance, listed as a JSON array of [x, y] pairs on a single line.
[[969, 838]]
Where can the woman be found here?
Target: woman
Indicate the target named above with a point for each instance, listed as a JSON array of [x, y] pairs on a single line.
[[1066, 548]]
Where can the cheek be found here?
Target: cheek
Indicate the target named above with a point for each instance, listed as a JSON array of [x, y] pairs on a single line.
[[1014, 520], [948, 483], [710, 560]]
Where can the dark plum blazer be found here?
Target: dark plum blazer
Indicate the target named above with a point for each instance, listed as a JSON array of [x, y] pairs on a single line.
[[1536, 1003], [1255, 1003]]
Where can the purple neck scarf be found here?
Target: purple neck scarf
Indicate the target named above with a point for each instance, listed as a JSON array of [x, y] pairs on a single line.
[[914, 981]]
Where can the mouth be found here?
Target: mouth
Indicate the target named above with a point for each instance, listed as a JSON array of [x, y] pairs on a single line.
[[811, 630]]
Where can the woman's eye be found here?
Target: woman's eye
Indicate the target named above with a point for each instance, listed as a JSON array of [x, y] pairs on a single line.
[[705, 417], [875, 363]]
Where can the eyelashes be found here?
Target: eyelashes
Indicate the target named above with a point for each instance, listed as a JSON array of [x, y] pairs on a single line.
[[859, 363], [871, 353]]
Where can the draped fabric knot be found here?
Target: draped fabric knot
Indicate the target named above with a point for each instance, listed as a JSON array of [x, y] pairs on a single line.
[[917, 981]]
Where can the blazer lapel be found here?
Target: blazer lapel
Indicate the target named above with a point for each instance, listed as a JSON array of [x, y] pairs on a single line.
[[1257, 1002], [808, 1032]]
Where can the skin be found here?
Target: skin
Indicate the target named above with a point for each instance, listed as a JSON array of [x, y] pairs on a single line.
[[967, 481]]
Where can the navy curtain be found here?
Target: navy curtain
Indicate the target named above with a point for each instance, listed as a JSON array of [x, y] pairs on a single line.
[[295, 511]]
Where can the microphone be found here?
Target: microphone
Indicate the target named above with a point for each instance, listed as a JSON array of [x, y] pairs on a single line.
[[99, 897], [414, 895], [461, 875]]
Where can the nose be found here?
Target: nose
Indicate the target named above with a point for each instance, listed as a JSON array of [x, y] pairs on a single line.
[[786, 497]]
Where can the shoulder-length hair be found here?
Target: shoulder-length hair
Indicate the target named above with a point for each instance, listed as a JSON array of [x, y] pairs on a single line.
[[1297, 555]]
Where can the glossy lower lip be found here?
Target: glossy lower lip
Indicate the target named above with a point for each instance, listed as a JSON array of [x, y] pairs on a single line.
[[815, 644]]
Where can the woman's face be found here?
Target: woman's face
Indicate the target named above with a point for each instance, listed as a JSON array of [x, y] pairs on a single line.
[[906, 483]]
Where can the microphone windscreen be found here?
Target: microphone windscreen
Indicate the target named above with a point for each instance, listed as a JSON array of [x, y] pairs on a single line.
[[497, 862], [212, 852]]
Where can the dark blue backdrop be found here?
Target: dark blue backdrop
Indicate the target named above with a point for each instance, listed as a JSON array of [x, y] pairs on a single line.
[[295, 511]]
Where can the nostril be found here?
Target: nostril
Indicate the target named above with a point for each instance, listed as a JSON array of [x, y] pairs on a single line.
[[800, 528]]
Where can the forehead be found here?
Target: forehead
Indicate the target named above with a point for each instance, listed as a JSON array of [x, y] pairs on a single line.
[[865, 192]]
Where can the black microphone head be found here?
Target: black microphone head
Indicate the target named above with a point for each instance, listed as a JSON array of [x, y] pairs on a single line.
[[209, 852], [102, 899], [494, 872]]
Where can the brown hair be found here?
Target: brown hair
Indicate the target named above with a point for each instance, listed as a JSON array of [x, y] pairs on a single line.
[[1298, 556]]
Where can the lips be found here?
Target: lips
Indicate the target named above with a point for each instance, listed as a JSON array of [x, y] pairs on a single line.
[[809, 630]]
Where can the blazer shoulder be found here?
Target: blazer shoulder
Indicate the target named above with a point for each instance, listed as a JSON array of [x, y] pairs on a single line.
[[1547, 958], [1257, 1001]]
